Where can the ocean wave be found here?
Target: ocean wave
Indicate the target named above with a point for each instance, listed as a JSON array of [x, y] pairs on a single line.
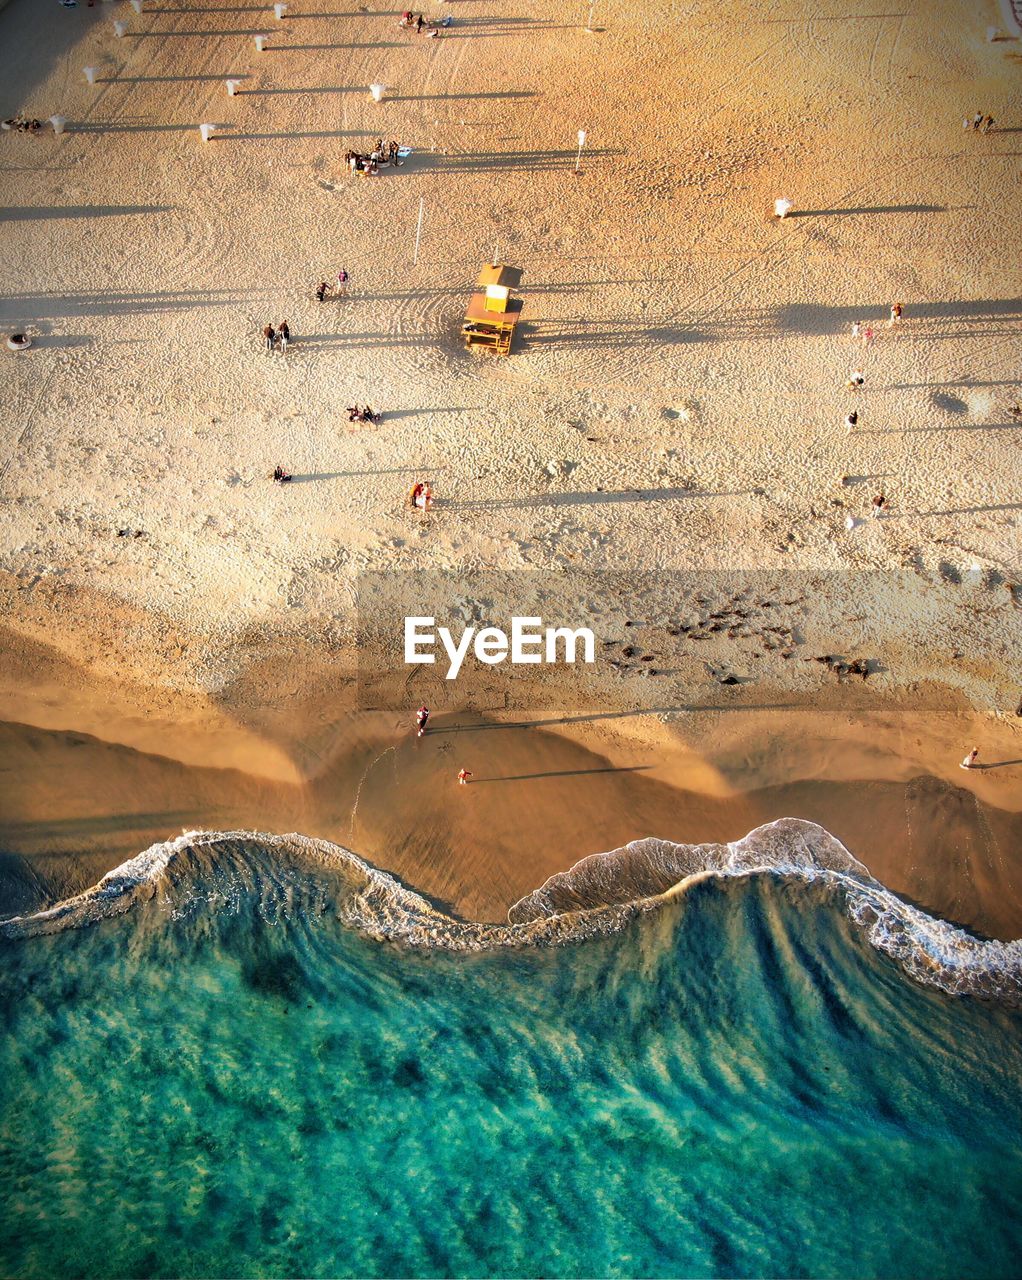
[[598, 896]]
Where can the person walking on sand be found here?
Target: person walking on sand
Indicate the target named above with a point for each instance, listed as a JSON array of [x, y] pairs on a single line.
[[421, 716], [856, 380], [970, 759], [986, 124], [269, 337], [321, 289], [851, 420], [977, 120], [877, 506], [342, 283], [419, 24], [895, 314], [856, 328], [283, 336], [463, 777], [867, 336]]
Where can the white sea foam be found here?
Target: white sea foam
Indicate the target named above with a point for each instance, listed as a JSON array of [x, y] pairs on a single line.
[[597, 896]]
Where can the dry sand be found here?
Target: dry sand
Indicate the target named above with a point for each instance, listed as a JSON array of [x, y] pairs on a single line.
[[676, 403]]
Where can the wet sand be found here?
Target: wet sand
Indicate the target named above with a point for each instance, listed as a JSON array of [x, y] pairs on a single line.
[[74, 806]]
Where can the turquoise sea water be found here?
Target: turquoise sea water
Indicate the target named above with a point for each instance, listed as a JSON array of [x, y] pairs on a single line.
[[224, 1078]]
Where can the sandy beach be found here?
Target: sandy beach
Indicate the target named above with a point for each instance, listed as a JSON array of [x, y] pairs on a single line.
[[181, 645]]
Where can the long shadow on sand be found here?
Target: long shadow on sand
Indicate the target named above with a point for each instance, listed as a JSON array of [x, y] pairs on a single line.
[[115, 126], [510, 161], [44, 306], [33, 213], [460, 97], [956, 511], [210, 34], [564, 773], [589, 499], [971, 317], [958, 426], [274, 137], [582, 333], [485, 28], [866, 209], [318, 48], [354, 475], [394, 415], [52, 828], [632, 712], [233, 75], [961, 382], [460, 291], [327, 340], [295, 90], [227, 8]]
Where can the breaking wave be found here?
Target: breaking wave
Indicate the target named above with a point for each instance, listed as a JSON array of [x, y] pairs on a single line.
[[597, 896]]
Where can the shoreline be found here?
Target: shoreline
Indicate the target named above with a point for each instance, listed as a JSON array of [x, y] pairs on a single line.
[[540, 800]]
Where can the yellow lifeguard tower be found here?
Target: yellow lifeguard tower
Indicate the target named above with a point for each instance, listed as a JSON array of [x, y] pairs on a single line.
[[493, 315]]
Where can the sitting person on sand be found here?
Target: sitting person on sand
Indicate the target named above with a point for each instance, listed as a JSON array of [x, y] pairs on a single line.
[[280, 475]]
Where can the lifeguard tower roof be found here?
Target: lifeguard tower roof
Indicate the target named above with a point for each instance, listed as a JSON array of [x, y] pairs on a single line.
[[502, 277]]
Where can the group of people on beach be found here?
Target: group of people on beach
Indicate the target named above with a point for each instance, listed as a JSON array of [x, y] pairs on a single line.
[[355, 414], [419, 24], [979, 123], [277, 339], [21, 124], [421, 717], [420, 496], [340, 289], [866, 332], [359, 162], [867, 335]]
